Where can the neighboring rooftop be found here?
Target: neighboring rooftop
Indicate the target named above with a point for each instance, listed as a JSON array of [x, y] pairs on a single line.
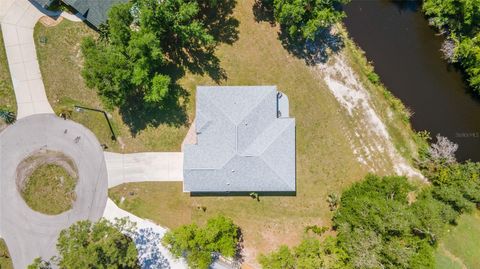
[[94, 11], [245, 142]]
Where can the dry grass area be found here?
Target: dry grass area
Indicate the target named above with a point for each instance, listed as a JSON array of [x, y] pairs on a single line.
[[5, 261], [61, 62], [325, 159], [46, 180]]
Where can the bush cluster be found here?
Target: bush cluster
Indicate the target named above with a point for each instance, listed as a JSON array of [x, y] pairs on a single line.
[[460, 21], [386, 222]]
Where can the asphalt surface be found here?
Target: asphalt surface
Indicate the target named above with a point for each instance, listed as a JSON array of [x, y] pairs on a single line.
[[30, 234]]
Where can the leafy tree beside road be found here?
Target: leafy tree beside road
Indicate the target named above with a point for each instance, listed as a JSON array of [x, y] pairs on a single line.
[[198, 244], [94, 245]]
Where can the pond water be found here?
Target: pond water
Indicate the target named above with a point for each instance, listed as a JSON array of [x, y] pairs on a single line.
[[405, 52]]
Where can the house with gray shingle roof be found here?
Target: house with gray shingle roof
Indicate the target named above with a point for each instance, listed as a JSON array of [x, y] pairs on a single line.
[[245, 142], [95, 12]]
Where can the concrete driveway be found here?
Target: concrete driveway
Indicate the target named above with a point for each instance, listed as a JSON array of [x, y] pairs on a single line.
[[146, 166], [17, 21], [30, 234]]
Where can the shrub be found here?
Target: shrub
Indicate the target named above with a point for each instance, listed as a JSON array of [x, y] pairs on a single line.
[[7, 116], [198, 244]]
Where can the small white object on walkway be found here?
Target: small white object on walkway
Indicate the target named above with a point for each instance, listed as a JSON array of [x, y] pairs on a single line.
[[146, 166], [112, 211]]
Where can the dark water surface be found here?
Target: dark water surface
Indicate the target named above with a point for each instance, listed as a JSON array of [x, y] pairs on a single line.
[[405, 53]]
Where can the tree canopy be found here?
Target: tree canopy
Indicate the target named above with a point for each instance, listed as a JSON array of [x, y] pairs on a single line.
[[310, 253], [376, 225], [303, 18], [460, 20], [198, 244], [94, 245], [140, 42], [386, 222]]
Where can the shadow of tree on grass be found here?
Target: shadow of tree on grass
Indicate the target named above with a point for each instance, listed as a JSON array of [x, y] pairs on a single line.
[[138, 114], [312, 51], [263, 11], [221, 24]]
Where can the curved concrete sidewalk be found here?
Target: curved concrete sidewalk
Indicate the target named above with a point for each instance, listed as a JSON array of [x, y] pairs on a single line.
[[30, 234], [146, 166], [112, 211], [18, 20]]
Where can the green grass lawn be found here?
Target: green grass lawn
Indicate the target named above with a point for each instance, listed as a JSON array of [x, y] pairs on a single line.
[[325, 160], [50, 189], [5, 261], [7, 96], [461, 246], [61, 62]]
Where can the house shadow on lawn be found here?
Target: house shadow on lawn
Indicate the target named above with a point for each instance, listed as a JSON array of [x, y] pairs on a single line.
[[243, 193], [312, 51]]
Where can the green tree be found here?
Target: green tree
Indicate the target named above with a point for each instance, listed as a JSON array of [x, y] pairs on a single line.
[[431, 217], [197, 244], [38, 263], [280, 259], [460, 21], [95, 245], [310, 253], [141, 40], [378, 227], [468, 55], [455, 15], [303, 18]]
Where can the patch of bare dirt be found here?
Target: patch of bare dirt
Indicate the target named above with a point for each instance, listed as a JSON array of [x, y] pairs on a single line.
[[49, 21], [191, 137], [39, 158], [371, 142]]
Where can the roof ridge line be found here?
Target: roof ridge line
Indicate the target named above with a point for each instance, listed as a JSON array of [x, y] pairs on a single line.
[[252, 108], [221, 110], [275, 172], [272, 140], [258, 102]]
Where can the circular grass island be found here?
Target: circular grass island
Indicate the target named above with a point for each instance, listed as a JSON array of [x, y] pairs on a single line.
[[46, 181]]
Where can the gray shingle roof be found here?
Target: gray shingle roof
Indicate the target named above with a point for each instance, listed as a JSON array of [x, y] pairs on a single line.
[[44, 3], [94, 11], [242, 145]]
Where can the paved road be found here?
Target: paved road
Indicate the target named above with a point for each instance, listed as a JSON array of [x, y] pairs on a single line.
[[146, 166], [30, 234]]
